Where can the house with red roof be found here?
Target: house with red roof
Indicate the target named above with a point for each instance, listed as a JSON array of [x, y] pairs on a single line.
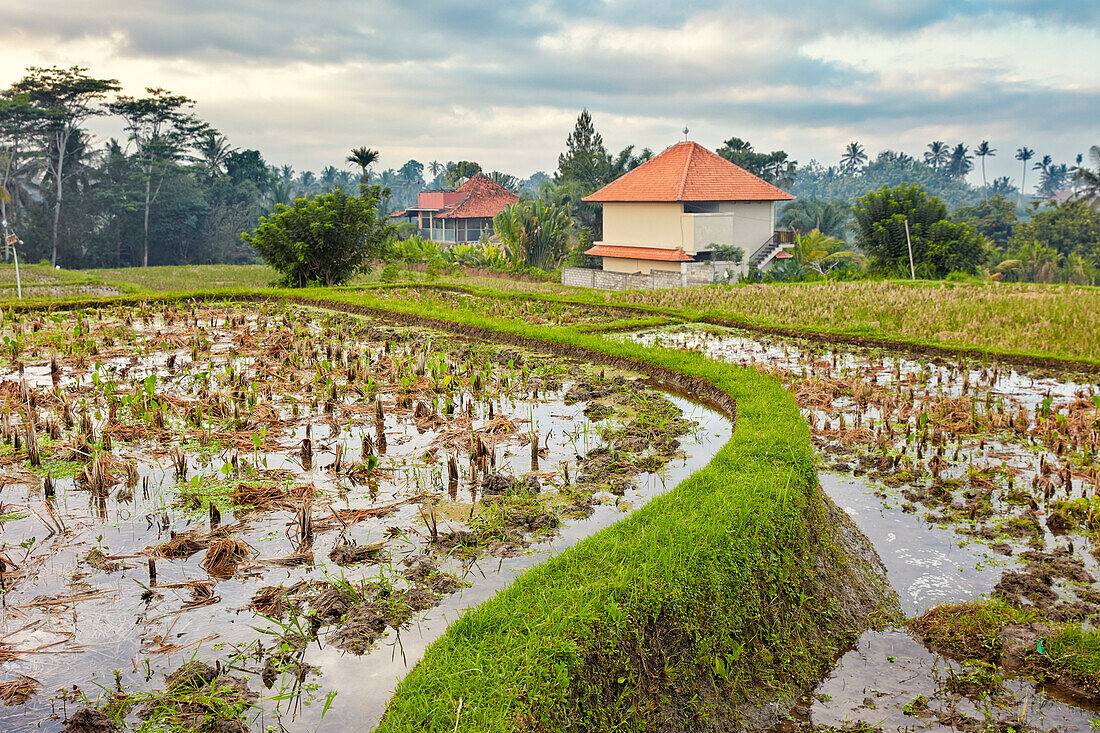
[[461, 215], [679, 206]]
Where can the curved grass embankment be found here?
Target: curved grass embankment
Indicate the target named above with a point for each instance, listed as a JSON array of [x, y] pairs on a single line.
[[733, 589], [726, 595]]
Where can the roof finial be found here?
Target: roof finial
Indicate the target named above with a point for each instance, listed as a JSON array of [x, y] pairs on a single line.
[[685, 133]]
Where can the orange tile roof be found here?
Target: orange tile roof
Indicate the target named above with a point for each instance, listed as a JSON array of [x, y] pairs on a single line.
[[688, 172], [640, 253], [483, 198]]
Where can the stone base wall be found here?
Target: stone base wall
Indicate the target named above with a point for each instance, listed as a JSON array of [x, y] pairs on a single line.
[[691, 275]]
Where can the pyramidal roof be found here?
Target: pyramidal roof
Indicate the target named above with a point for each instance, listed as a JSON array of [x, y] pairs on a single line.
[[484, 198], [688, 172]]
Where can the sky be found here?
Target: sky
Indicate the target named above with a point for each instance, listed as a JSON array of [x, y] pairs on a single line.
[[502, 83]]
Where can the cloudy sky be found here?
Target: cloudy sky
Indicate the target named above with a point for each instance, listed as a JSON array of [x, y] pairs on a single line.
[[502, 83]]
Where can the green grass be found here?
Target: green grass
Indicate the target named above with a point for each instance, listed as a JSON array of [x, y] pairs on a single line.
[[971, 631], [188, 277], [725, 590], [1049, 321], [720, 570]]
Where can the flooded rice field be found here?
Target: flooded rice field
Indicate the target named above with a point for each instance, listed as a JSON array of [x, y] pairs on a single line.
[[974, 481], [263, 514]]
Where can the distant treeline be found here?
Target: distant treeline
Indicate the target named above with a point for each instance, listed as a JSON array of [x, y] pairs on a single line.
[[173, 190]]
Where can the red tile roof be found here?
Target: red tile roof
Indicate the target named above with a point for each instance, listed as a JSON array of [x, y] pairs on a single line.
[[783, 255], [688, 172], [660, 254], [483, 198]]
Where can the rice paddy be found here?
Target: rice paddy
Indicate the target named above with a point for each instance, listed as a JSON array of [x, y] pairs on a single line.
[[215, 512], [1002, 459]]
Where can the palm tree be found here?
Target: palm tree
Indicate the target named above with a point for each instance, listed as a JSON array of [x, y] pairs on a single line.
[[1088, 179], [435, 168], [1023, 155], [287, 172], [329, 176], [961, 161], [307, 181], [983, 151], [854, 158], [364, 158], [213, 151], [1044, 163], [938, 154], [1053, 179]]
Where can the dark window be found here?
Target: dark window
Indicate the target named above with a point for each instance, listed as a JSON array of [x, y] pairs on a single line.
[[700, 207]]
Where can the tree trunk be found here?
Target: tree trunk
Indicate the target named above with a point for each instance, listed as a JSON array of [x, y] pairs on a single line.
[[62, 141], [145, 232]]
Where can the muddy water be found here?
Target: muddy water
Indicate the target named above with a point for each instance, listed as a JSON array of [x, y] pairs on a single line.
[[890, 679], [366, 682], [85, 628]]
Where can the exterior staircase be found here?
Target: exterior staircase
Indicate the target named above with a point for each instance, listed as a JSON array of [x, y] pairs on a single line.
[[769, 249]]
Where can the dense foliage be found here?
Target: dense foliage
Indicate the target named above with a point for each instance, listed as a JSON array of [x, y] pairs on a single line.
[[890, 219], [325, 240]]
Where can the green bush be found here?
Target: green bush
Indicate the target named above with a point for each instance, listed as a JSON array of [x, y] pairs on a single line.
[[325, 240], [939, 245], [389, 273]]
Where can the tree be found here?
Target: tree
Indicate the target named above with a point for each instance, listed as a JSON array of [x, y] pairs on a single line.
[[961, 161], [1023, 155], [1088, 180], [1072, 226], [1054, 180], [994, 218], [939, 246], [505, 180], [831, 217], [364, 158], [938, 154], [326, 240], [161, 132], [458, 173], [821, 253], [65, 100], [536, 233], [773, 167], [248, 166], [984, 151], [19, 126], [435, 168], [213, 149], [854, 158], [584, 156]]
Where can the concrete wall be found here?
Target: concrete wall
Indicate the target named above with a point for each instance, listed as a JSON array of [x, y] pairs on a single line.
[[753, 223], [622, 264], [643, 224], [691, 275], [578, 277], [746, 224]]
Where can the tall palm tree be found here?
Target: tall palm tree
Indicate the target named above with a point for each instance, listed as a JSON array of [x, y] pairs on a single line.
[[983, 151], [1023, 155], [854, 158], [961, 161], [213, 151], [1088, 180], [435, 168], [938, 154], [1045, 162], [287, 172], [1053, 180], [364, 158]]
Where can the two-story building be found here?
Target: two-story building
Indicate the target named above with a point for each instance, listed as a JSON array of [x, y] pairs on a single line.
[[461, 215], [682, 204]]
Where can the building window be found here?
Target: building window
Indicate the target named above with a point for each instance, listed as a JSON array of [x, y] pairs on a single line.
[[700, 207]]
